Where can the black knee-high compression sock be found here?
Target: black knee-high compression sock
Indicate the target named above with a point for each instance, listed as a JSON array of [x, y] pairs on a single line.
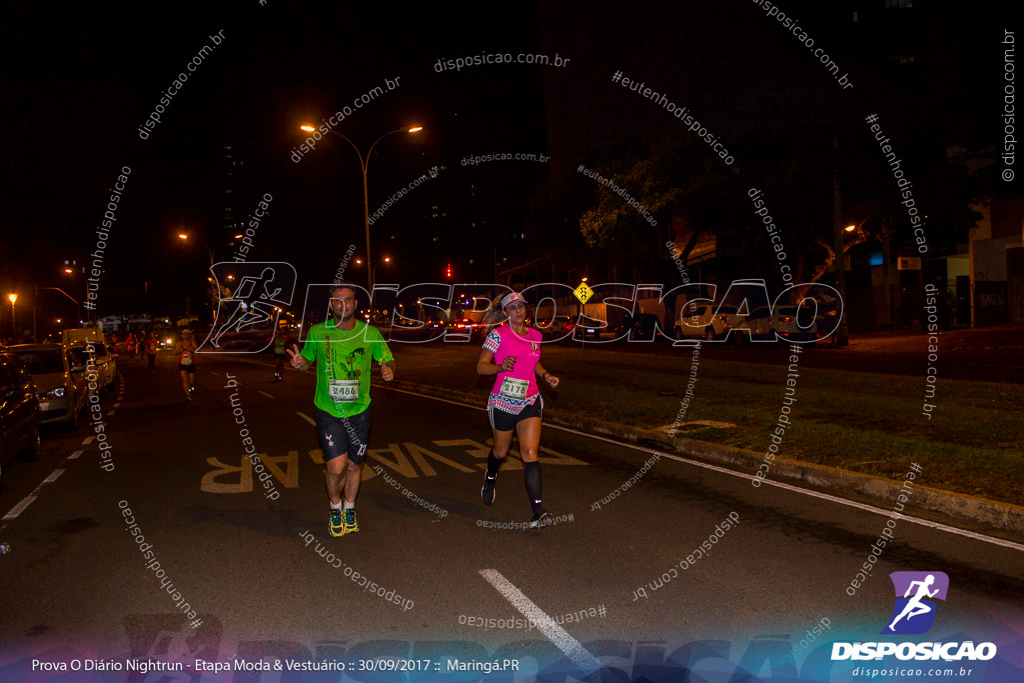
[[531, 476], [493, 464]]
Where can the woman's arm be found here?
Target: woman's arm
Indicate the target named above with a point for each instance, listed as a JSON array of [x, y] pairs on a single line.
[[486, 365]]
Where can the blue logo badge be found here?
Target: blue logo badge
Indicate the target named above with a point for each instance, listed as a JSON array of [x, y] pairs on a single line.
[[916, 595]]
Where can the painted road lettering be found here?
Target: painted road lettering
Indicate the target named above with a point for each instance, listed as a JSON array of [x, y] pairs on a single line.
[[402, 459]]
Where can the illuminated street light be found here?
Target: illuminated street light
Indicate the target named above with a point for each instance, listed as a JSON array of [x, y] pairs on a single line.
[[184, 236], [14, 327], [373, 274], [363, 163]]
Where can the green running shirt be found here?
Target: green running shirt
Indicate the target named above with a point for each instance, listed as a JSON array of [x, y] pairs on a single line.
[[343, 361]]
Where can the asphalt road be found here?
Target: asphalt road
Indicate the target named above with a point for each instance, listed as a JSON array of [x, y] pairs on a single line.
[[623, 583]]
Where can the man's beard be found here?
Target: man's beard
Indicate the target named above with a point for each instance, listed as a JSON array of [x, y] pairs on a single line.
[[341, 318]]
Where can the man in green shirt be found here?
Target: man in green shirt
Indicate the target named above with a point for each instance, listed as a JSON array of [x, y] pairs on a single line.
[[343, 349]]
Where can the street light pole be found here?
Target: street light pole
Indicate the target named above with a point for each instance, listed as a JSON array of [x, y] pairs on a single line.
[[14, 325], [364, 163], [842, 337], [184, 236], [57, 289]]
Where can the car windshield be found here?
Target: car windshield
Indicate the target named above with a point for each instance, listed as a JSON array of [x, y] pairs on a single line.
[[43, 361], [727, 310]]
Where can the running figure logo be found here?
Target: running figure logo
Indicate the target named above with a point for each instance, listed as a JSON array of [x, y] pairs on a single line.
[[247, 317], [914, 612]]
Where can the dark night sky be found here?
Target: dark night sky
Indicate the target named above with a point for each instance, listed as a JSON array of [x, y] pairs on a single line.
[[80, 79]]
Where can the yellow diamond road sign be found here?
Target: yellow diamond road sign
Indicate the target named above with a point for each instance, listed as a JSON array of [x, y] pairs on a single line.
[[583, 292]]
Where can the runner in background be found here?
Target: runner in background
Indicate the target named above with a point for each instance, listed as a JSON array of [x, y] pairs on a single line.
[[151, 346], [280, 347], [131, 343], [185, 350]]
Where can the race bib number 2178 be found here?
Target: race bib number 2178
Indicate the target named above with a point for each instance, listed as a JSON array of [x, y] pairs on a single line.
[[514, 388]]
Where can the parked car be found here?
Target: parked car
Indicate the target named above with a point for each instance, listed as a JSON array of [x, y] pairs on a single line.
[[730, 320], [584, 328], [760, 324], [80, 359], [103, 356], [20, 413], [106, 365], [640, 327], [709, 321], [795, 324], [60, 383], [551, 328]]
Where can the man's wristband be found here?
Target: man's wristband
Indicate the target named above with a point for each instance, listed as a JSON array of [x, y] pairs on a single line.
[[545, 375]]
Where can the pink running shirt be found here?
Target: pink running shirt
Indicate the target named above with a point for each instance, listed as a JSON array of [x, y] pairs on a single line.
[[513, 391]]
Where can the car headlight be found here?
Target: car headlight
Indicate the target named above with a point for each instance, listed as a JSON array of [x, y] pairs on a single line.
[[54, 393]]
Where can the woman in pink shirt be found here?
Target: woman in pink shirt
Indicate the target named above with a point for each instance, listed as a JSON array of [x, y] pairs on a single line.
[[512, 352]]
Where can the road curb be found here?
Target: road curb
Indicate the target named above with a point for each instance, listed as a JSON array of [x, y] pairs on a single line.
[[1004, 516]]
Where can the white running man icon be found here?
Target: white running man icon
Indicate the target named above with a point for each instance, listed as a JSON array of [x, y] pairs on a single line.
[[915, 607]]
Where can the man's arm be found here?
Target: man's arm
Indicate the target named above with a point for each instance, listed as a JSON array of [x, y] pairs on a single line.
[[297, 360]]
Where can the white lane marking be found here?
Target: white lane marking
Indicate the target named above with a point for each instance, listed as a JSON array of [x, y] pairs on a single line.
[[789, 487], [307, 418], [53, 476], [88, 440], [824, 496], [555, 633], [433, 398], [266, 394], [74, 456], [20, 507]]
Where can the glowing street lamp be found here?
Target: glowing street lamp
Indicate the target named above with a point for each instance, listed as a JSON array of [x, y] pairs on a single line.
[[184, 236], [363, 163], [14, 326]]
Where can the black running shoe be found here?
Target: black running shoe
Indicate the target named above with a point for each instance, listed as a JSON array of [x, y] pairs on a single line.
[[542, 518], [487, 491]]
